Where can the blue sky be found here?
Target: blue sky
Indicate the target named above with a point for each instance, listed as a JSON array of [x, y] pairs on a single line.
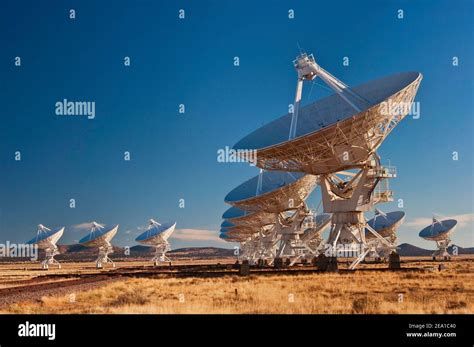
[[190, 62]]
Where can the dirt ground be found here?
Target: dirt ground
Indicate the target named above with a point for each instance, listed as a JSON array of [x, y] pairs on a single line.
[[449, 289]]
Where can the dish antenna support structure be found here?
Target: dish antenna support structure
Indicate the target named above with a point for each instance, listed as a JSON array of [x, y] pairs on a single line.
[[348, 199], [308, 70], [290, 231]]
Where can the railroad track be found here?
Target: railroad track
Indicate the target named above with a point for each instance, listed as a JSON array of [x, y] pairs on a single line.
[[33, 287]]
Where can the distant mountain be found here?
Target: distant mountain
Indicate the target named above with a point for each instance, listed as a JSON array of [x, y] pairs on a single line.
[[407, 250], [203, 252], [191, 252], [79, 252]]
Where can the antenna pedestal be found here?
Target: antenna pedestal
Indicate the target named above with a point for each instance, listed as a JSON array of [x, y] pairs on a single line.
[[103, 258], [249, 250], [294, 243], [267, 245], [442, 251], [49, 259], [160, 253], [348, 199]]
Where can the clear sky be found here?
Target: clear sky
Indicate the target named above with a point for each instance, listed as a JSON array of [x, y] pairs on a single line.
[[191, 61]]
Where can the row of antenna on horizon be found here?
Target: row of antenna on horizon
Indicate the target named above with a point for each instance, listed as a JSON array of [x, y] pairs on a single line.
[[156, 235]]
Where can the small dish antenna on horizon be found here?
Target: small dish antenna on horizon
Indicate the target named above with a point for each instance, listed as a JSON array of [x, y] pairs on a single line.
[[157, 235], [440, 232], [47, 239], [100, 236]]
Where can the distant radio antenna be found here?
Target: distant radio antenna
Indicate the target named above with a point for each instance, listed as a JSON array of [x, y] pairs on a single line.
[[157, 236], [100, 237], [46, 239], [440, 232]]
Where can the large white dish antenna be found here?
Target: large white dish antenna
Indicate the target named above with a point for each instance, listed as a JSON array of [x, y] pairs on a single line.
[[331, 135], [46, 237], [100, 236], [157, 235]]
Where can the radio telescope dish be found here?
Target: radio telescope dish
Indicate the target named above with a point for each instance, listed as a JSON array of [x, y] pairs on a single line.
[[100, 236], [225, 224], [237, 216], [46, 239], [157, 235], [440, 232], [331, 135], [242, 229], [380, 233], [232, 238], [385, 224], [272, 192]]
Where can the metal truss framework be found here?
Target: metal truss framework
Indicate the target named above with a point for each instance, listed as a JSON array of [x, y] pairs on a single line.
[[286, 198]]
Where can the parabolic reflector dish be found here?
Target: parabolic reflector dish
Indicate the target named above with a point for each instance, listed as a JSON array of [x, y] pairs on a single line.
[[280, 191], [237, 216], [241, 229], [227, 224], [46, 238], [157, 233], [439, 230], [385, 224], [232, 238], [330, 135], [99, 237]]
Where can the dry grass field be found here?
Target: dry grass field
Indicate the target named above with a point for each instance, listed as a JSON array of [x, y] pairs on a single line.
[[448, 291], [12, 272]]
